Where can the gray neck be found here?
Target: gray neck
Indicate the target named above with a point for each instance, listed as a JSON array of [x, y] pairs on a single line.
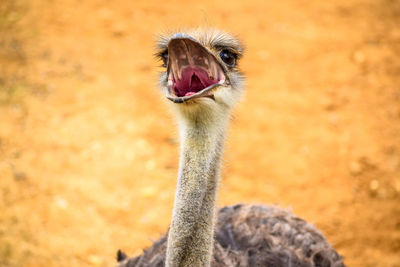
[[191, 234]]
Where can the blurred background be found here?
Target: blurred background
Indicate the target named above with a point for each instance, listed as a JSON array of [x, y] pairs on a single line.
[[89, 150]]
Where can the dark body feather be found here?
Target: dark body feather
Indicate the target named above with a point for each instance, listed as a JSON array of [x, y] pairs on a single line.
[[256, 235]]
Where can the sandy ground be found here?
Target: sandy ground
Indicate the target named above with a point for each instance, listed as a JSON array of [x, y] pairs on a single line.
[[88, 148]]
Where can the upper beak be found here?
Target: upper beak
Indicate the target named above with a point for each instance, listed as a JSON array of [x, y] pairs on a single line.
[[184, 54]]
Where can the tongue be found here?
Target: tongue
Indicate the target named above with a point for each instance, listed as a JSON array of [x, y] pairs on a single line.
[[195, 83], [193, 80]]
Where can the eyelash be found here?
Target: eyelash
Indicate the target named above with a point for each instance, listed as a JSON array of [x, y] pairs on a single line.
[[164, 57]]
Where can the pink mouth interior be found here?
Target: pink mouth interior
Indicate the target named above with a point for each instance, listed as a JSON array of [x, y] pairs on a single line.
[[192, 81]]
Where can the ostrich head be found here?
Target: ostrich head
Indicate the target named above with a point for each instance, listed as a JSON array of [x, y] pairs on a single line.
[[201, 76]]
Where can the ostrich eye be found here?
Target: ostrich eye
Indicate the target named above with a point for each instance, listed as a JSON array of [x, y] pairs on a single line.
[[164, 57], [228, 57]]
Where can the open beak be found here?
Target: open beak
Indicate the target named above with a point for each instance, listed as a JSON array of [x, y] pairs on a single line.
[[192, 71]]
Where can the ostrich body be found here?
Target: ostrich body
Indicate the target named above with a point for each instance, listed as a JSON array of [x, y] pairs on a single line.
[[203, 83]]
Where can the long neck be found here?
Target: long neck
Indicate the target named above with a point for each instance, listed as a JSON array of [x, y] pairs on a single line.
[[191, 234]]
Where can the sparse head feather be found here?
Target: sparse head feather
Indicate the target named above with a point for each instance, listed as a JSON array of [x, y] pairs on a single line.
[[210, 38]]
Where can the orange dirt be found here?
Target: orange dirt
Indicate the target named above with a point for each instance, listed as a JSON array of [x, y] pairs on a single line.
[[88, 149]]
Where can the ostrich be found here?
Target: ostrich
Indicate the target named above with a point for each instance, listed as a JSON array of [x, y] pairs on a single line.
[[203, 83]]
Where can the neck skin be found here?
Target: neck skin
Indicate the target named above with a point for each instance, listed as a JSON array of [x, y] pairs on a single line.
[[191, 234]]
